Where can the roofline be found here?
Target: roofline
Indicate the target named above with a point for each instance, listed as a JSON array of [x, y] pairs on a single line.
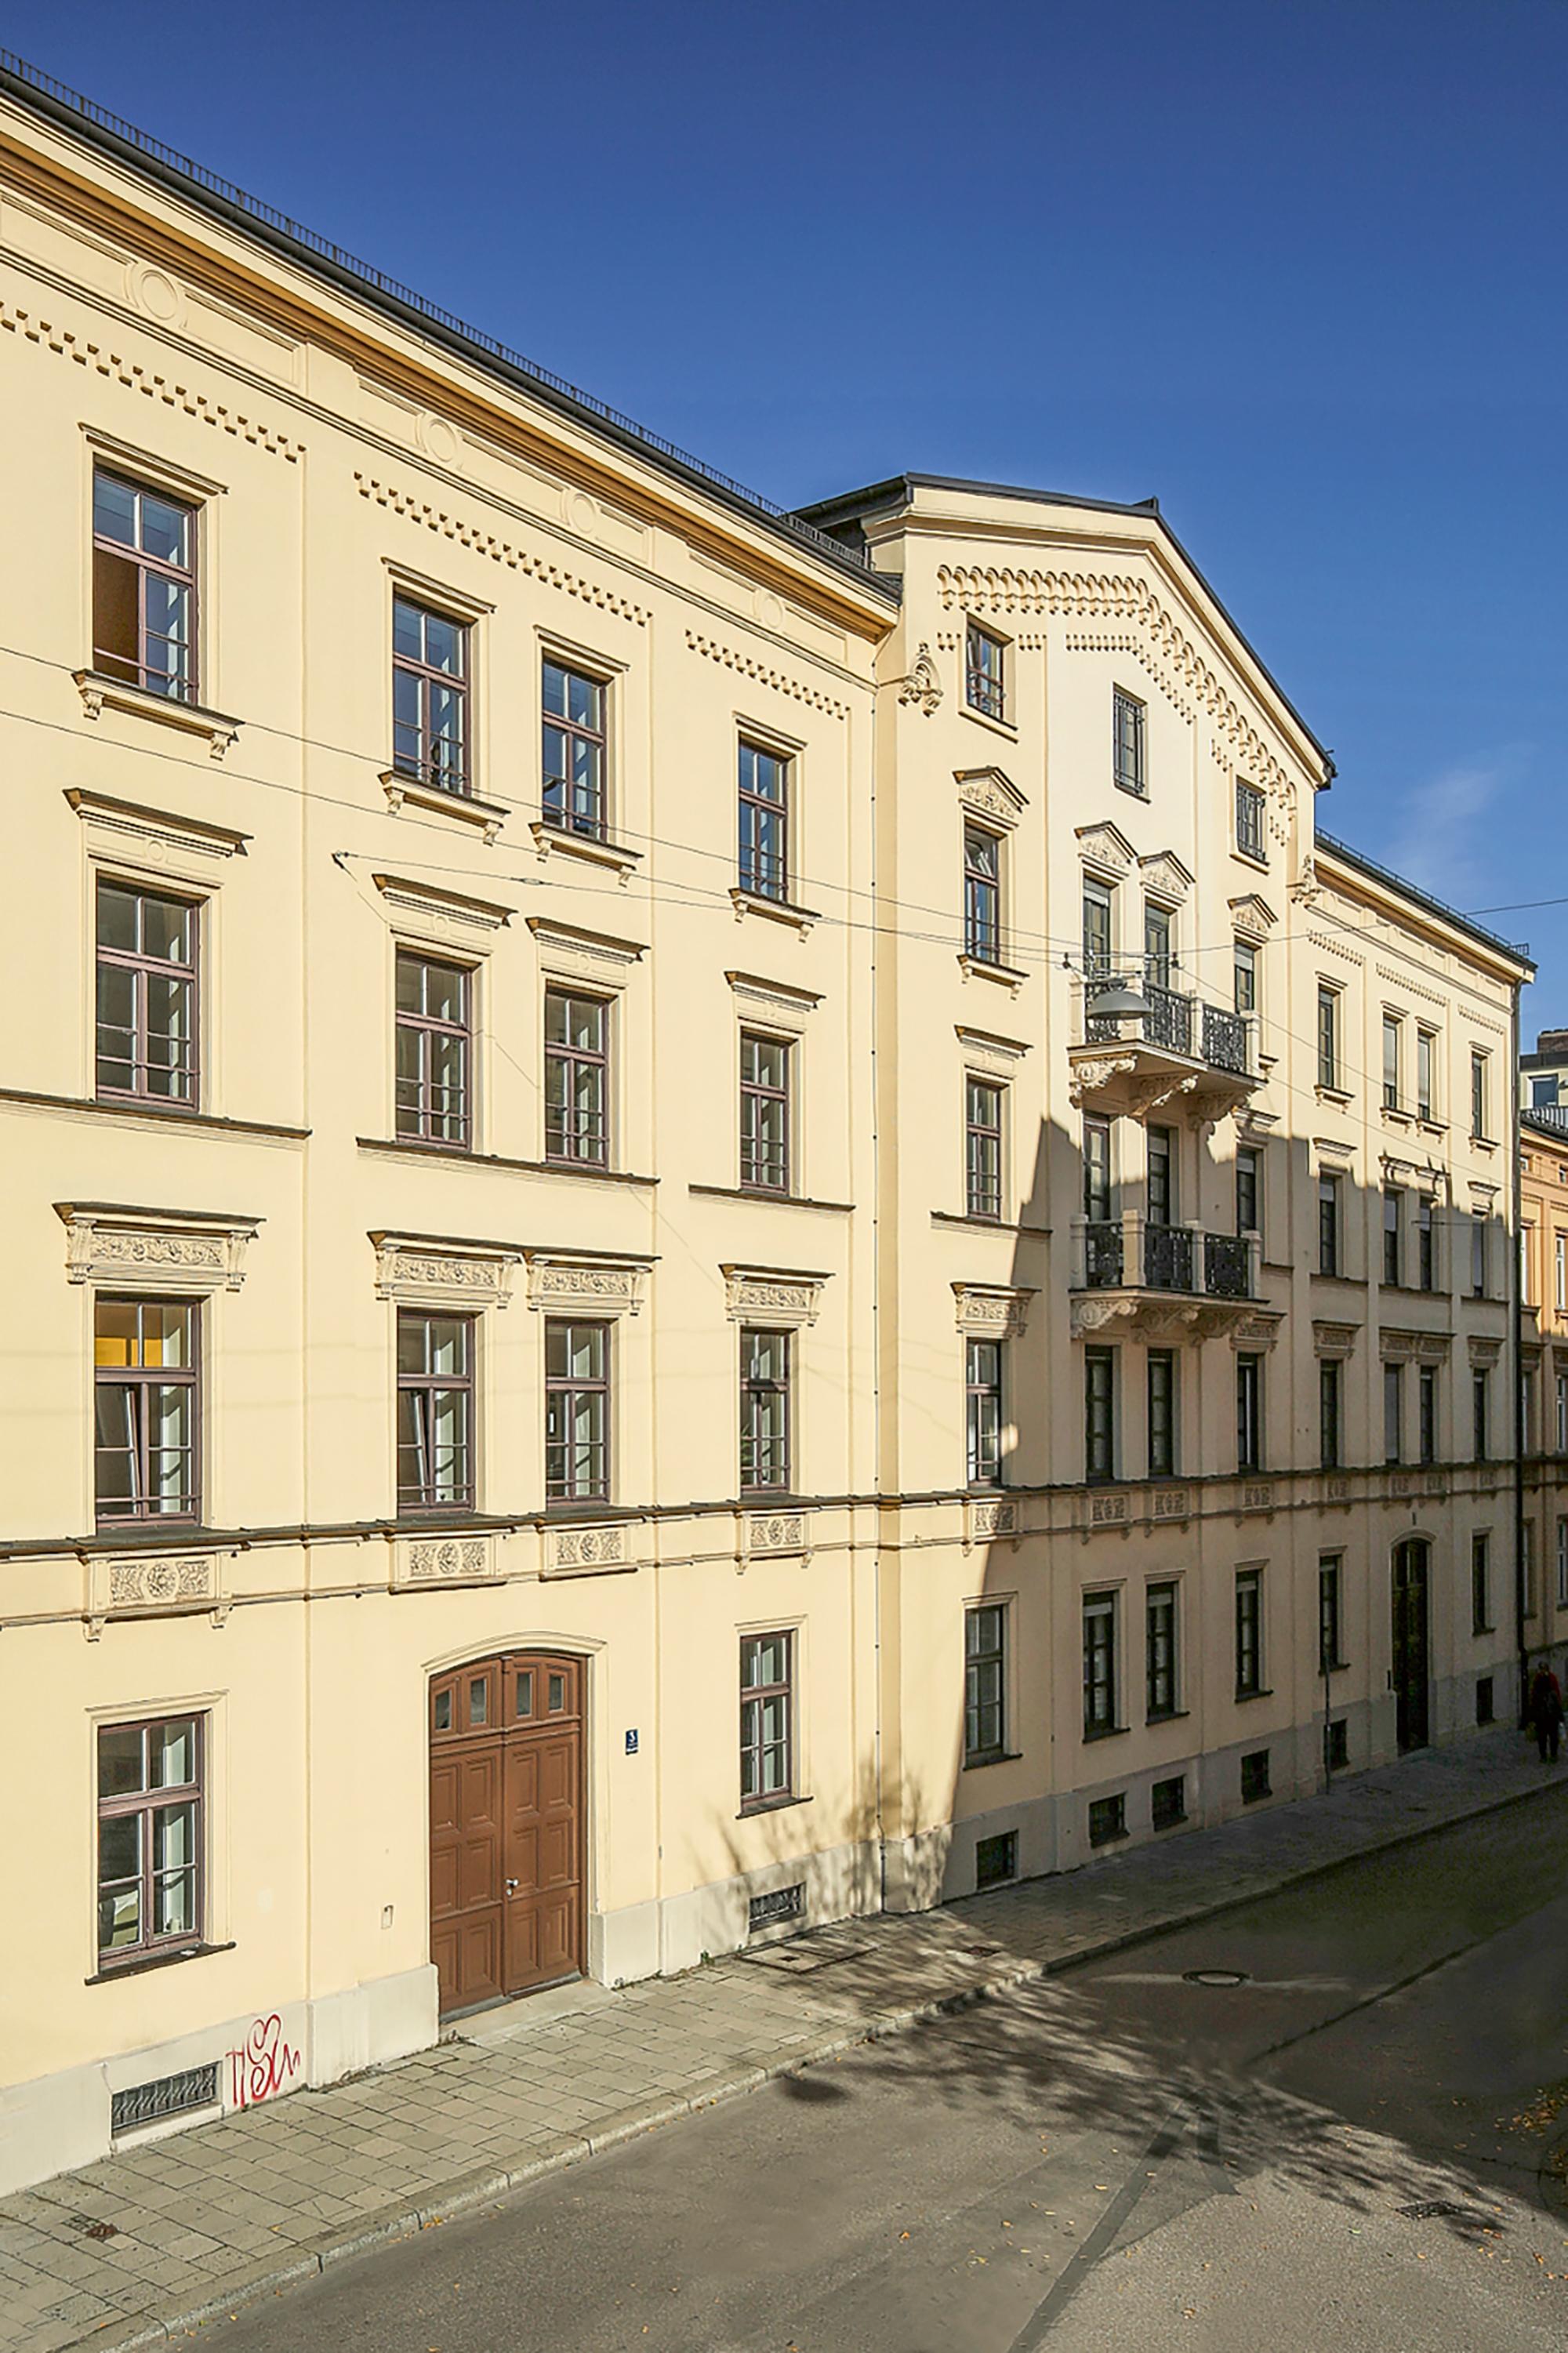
[[68, 110], [1542, 1061], [1531, 1117], [877, 495], [1517, 952]]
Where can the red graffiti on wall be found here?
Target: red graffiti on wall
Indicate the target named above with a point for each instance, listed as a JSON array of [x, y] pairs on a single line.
[[262, 2064]]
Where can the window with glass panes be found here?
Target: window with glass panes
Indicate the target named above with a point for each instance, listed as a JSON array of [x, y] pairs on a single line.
[[1480, 1584], [767, 1711], [434, 1412], [151, 1840], [1100, 1412], [1097, 1171], [1479, 1095], [1098, 1664], [147, 1004], [983, 1405], [764, 1412], [764, 791], [764, 1112], [1162, 1167], [576, 1411], [573, 750], [984, 1683], [1560, 1272], [1329, 1412], [430, 696], [1248, 1189], [982, 894], [1561, 1563], [1162, 1397], [1393, 1223], [984, 682], [1478, 1256], [1245, 978], [143, 587], [1391, 1041], [982, 1149], [1426, 1044], [1160, 1650], [1249, 1413], [1158, 955], [1328, 1225], [434, 1043], [1425, 1244], [1479, 1401], [1563, 1413], [1097, 930], [1329, 1569], [1329, 1039], [146, 1462], [1427, 1412], [1393, 1413], [576, 1078], [1248, 1632], [1249, 820], [1127, 723]]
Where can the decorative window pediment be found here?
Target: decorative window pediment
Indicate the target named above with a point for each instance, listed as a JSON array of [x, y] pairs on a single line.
[[1164, 873], [132, 833], [1335, 1339], [585, 956], [1253, 917], [1484, 1353], [991, 795], [773, 1001], [783, 1296], [449, 915], [1408, 1347], [592, 1282], [157, 1250], [992, 1310], [1106, 849], [426, 1271]]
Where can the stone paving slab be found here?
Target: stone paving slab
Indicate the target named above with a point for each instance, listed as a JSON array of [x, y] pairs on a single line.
[[251, 2205]]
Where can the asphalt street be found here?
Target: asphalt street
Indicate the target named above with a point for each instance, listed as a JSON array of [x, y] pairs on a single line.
[[1337, 2118]]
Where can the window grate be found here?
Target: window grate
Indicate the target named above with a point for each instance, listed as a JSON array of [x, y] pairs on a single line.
[[995, 1860], [1255, 1775], [779, 1904], [1107, 1819], [1169, 1804], [166, 2095]]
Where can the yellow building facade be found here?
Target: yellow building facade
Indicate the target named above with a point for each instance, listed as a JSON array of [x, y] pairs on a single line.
[[1544, 1261], [701, 1196]]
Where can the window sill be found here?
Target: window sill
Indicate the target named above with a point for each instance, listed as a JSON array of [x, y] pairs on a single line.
[[1243, 1695], [1333, 1095], [1109, 1838], [1168, 1716], [777, 910], [771, 1806], [1007, 728], [760, 1193], [1484, 1142], [408, 792], [1133, 792], [106, 1975], [128, 1107], [1105, 1731], [1257, 860], [101, 694], [592, 847], [407, 1147], [987, 1225], [1171, 1822], [996, 1757], [1005, 975], [1332, 1667]]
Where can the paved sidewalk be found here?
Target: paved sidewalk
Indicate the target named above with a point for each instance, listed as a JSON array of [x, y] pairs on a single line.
[[231, 2210]]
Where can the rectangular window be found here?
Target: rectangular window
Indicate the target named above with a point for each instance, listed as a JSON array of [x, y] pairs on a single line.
[[1100, 1412], [1328, 1225], [1426, 1403], [1560, 1262], [1391, 1029], [1249, 1413], [984, 1683], [1485, 1705], [576, 1412], [1562, 1564], [984, 686], [1248, 1189], [1527, 1411], [151, 1838], [434, 1050], [143, 587], [765, 781], [1127, 754], [1098, 1664], [767, 1713], [1527, 1264], [1330, 1417], [982, 895], [1245, 977], [1162, 1202], [764, 1112], [434, 1412], [1097, 1171], [1161, 1413], [1158, 959], [1479, 1095], [1426, 1043], [1393, 1413], [764, 1412], [1159, 1651], [1392, 1215], [576, 1078], [1478, 1400], [1168, 1802], [1255, 1776], [573, 747], [1480, 1584], [1478, 1256], [982, 1148], [147, 1008], [146, 1455], [1098, 947], [430, 696], [995, 1860], [1563, 1413], [1248, 1632], [1330, 1653], [1108, 1819], [1426, 1245], [1329, 1039], [1336, 1744], [983, 1376], [1527, 1568], [1249, 820]]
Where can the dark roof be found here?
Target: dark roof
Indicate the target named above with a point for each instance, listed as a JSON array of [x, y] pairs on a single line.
[[85, 120], [1516, 949], [827, 514], [1546, 1120]]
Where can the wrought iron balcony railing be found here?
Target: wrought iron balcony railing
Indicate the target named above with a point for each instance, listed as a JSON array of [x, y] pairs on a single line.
[[1174, 1022], [1129, 1252]]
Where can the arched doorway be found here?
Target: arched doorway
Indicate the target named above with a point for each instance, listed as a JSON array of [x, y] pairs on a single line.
[[507, 1821], [1411, 1663]]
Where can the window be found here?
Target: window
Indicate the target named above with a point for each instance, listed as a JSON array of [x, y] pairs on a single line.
[[1160, 1650], [982, 894], [1562, 1564], [1330, 1652], [1479, 1095], [1249, 820], [983, 1376], [1249, 1413], [576, 1412], [1328, 1225], [1100, 1412], [1393, 1412], [1248, 1189], [1245, 977], [1168, 1802], [764, 1412], [765, 780], [574, 764], [151, 1838], [764, 1114], [1161, 1413], [143, 588], [1393, 1215], [1563, 1413], [1248, 1633], [1527, 1568], [1543, 1093], [1427, 1412], [1098, 1664], [1485, 1705], [1108, 1819], [1329, 1039], [434, 1412], [1097, 935], [1162, 1202], [1255, 1776], [767, 1710], [1425, 1042], [1391, 1029], [1478, 1400], [1480, 1584], [576, 1078], [430, 696], [1560, 1261], [983, 685], [1330, 1415], [1426, 1245], [995, 1860], [434, 1042], [145, 1461], [1527, 1264], [1097, 1171], [1336, 1744], [1127, 728], [984, 1683], [982, 1148], [1158, 961], [1478, 1256], [147, 1039], [1527, 1390]]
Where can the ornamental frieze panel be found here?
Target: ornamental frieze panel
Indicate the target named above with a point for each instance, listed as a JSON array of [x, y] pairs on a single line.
[[776, 1532], [424, 1561], [139, 1585], [584, 1551], [990, 794], [160, 1249], [605, 1286], [989, 1312], [421, 1270], [773, 1295]]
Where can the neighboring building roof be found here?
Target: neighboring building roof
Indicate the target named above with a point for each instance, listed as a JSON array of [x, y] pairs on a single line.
[[1550, 1120], [85, 120], [1517, 951]]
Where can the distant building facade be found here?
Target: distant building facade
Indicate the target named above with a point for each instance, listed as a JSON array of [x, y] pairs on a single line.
[[1543, 1259]]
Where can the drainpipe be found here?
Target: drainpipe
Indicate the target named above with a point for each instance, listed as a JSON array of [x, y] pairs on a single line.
[[1517, 1293]]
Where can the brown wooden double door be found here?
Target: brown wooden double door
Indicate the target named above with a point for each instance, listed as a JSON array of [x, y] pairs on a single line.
[[506, 1826]]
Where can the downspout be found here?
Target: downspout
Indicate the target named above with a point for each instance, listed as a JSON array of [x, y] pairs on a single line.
[[1517, 1282]]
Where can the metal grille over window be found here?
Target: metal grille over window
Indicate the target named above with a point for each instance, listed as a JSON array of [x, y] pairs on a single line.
[[166, 2095], [429, 697], [143, 588], [574, 794]]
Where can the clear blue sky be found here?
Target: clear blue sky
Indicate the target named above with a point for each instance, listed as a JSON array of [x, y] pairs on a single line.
[[1296, 266]]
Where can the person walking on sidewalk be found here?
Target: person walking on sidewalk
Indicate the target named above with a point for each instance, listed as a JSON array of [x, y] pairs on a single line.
[[1545, 1711]]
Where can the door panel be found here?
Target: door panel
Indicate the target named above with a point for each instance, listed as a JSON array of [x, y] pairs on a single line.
[[1411, 1669]]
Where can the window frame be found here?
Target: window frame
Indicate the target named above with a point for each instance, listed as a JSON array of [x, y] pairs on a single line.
[[565, 816], [425, 766], [1249, 1188], [1250, 1447], [1162, 1415], [983, 931], [984, 1406], [562, 1490], [144, 565], [991, 700], [1426, 1243], [754, 1741], [1426, 1072], [1129, 742], [1251, 808], [1162, 1650], [565, 1146], [1480, 1412], [1393, 1236], [1101, 1662], [761, 870], [139, 1380], [757, 1391], [755, 1094], [1480, 1088], [1427, 1414], [980, 1706], [983, 1142], [143, 968], [1329, 1059], [1330, 1613], [422, 1502], [1330, 1413], [424, 1027], [1249, 1682], [1330, 1199], [1246, 972], [143, 1803], [1393, 1060], [1393, 1411], [1099, 1416]]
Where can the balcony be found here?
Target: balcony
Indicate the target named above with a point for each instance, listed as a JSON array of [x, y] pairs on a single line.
[[1157, 1049], [1137, 1280]]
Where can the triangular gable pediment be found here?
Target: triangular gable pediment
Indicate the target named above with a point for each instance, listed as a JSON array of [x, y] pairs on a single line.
[[991, 793], [1162, 871], [1251, 913], [1107, 846]]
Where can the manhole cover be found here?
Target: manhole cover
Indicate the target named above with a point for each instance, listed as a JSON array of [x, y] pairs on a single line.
[[1214, 1976]]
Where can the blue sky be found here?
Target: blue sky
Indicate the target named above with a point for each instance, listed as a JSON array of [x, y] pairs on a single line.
[[1297, 268]]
